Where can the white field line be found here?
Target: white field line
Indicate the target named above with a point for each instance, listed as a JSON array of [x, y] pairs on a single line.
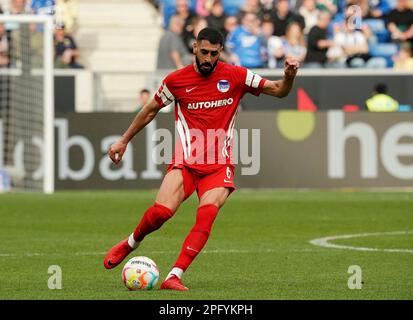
[[325, 242], [36, 254], [322, 242]]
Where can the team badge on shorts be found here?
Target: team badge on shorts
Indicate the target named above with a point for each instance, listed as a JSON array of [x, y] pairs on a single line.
[[223, 86]]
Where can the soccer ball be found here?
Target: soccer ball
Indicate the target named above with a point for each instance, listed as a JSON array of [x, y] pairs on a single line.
[[140, 273]]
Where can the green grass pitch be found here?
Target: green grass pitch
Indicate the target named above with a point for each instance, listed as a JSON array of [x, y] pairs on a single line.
[[259, 247]]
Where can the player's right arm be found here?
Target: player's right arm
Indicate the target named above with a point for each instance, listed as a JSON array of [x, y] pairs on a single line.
[[145, 115], [162, 98]]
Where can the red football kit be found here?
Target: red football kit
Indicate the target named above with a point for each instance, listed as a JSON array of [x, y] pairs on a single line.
[[205, 111]]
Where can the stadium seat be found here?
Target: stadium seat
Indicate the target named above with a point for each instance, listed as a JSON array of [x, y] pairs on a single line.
[[405, 108], [385, 50], [378, 27], [169, 9], [231, 7]]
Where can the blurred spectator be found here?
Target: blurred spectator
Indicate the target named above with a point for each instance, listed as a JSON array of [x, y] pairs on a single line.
[[245, 43], [328, 5], [217, 17], [351, 48], [42, 6], [154, 3], [273, 45], [4, 47], [404, 60], [310, 14], [230, 24], [352, 19], [252, 6], [66, 51], [400, 21], [16, 7], [282, 16], [318, 43], [66, 13], [4, 6], [19, 7], [203, 7], [143, 99], [295, 5], [371, 8], [182, 11], [172, 53], [197, 24], [294, 44], [267, 6], [369, 35], [378, 8], [169, 8], [381, 101]]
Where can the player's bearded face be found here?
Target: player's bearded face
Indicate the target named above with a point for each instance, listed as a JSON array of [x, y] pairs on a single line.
[[206, 57], [205, 68]]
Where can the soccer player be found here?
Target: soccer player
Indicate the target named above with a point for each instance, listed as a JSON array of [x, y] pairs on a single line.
[[206, 96]]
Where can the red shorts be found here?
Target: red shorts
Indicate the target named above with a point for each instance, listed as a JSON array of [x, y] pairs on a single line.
[[203, 180]]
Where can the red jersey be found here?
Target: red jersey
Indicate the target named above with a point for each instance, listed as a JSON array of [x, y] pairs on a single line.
[[205, 111]]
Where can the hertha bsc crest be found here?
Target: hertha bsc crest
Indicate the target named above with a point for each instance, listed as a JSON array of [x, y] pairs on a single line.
[[223, 86]]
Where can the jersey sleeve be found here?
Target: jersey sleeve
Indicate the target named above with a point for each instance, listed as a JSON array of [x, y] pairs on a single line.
[[163, 96], [250, 81]]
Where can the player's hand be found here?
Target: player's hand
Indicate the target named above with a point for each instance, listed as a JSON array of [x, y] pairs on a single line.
[[117, 150], [291, 67]]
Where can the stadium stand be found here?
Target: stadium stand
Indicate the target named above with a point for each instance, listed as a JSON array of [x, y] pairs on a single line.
[[119, 42], [119, 39], [384, 50]]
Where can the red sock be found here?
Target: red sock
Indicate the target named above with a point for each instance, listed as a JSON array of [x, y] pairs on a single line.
[[152, 220], [198, 236]]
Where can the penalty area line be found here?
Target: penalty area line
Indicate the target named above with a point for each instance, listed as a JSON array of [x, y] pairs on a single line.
[[326, 241]]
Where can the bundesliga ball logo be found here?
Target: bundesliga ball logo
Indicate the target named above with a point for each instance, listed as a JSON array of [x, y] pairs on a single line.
[[223, 86], [140, 273]]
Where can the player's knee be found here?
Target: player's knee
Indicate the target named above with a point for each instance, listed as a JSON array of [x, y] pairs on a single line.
[[165, 211], [171, 204], [215, 197], [160, 214]]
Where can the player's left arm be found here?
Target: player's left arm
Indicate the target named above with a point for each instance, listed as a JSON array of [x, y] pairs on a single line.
[[281, 88]]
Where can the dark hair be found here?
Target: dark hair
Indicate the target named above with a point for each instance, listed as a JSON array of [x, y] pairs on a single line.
[[407, 47], [267, 20], [212, 35], [380, 88], [144, 91]]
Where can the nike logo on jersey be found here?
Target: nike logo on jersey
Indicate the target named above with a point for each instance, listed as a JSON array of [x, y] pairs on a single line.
[[189, 90], [227, 181]]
